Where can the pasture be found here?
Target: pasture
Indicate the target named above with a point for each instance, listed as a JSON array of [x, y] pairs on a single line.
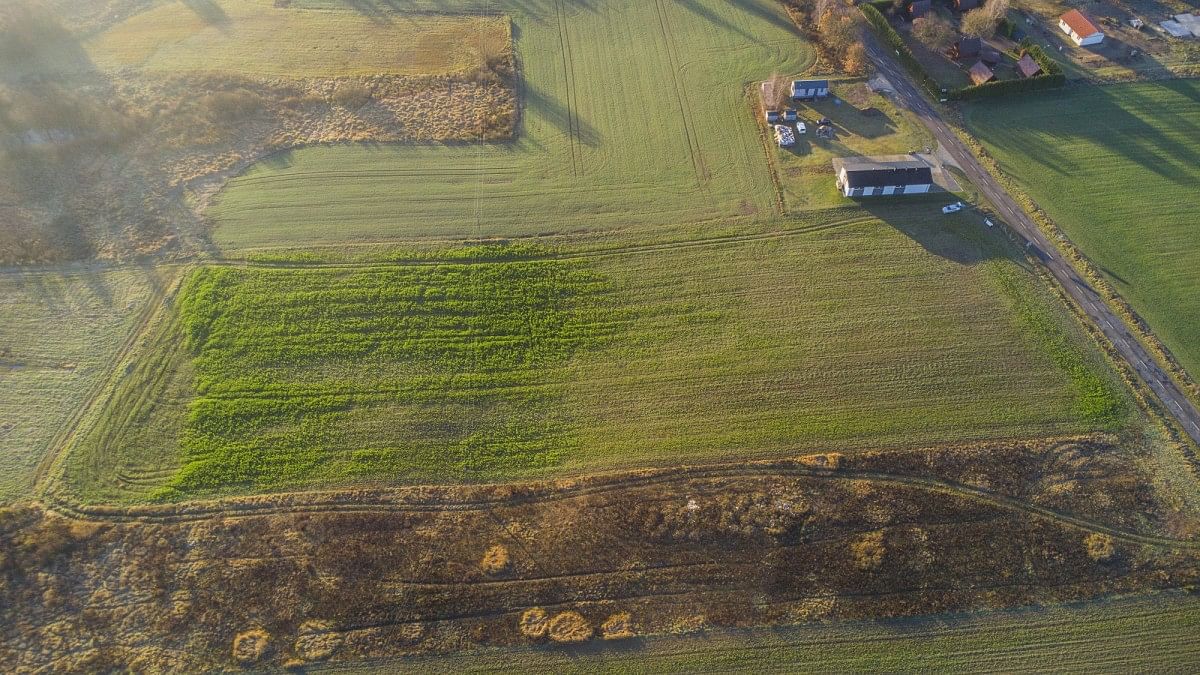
[[503, 363], [634, 115], [1122, 187], [59, 334], [258, 38]]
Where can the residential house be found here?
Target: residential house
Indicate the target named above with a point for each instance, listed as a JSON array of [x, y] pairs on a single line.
[[867, 177], [1081, 29], [809, 89]]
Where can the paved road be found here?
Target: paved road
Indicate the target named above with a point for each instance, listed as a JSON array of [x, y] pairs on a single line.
[[1083, 294]]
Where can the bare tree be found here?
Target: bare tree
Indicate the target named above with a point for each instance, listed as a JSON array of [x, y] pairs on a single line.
[[934, 32], [979, 23]]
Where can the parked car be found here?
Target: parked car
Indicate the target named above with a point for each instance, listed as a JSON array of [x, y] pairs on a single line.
[[800, 128], [784, 136], [953, 208]]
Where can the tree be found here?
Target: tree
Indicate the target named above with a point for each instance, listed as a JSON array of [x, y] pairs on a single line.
[[934, 32], [837, 31], [979, 23], [998, 9], [856, 62]]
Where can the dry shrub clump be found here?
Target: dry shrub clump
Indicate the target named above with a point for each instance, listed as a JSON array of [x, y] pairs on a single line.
[[495, 560], [250, 646], [534, 622], [1100, 547], [619, 626], [869, 550], [570, 626], [351, 95], [317, 641]]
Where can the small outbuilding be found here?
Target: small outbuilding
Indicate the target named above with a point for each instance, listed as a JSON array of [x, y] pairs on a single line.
[[989, 55], [1027, 67], [980, 73], [965, 48], [772, 116], [807, 90], [1080, 28], [790, 115], [867, 177], [965, 5], [919, 8]]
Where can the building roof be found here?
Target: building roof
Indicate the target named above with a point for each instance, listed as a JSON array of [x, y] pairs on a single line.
[[865, 172], [810, 84], [1027, 66], [966, 4], [1080, 24], [968, 46], [980, 73]]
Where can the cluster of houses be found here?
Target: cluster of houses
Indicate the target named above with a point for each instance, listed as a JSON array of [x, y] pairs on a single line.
[[801, 90]]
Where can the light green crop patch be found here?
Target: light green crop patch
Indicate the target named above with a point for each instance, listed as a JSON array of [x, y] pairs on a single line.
[[305, 375]]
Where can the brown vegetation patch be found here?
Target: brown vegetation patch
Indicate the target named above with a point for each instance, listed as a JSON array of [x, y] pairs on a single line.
[[250, 646], [495, 560], [534, 622], [619, 626], [569, 626]]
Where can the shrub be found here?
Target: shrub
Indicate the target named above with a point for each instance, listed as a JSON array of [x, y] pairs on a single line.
[[495, 560], [533, 622], [617, 627], [250, 646], [352, 95], [232, 106], [869, 550], [1100, 547], [569, 627]]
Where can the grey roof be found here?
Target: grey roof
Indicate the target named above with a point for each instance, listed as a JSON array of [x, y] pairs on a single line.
[[866, 173], [811, 84]]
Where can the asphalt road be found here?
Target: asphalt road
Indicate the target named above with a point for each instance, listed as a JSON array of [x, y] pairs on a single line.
[[1077, 288]]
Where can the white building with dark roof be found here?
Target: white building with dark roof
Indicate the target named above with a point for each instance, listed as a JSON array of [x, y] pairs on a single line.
[[867, 177]]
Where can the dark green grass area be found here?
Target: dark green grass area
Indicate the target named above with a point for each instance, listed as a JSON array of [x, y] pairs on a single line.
[[1117, 167], [434, 371]]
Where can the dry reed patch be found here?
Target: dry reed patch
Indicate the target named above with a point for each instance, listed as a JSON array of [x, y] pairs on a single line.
[[250, 646], [495, 560], [1100, 547], [534, 622], [869, 550], [569, 627], [619, 626]]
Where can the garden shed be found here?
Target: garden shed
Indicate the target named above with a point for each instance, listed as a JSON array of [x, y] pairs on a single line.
[[980, 73]]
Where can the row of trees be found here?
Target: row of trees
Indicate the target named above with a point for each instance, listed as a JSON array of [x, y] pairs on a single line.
[[838, 31]]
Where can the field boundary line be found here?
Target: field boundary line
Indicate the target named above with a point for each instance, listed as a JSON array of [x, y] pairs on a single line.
[[441, 498], [689, 130], [568, 66]]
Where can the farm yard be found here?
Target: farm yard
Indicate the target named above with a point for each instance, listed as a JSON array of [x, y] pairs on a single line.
[[60, 333], [1121, 187], [502, 331]]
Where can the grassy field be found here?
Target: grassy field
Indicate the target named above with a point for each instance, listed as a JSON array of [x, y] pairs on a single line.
[[635, 114], [1122, 186], [59, 332], [1126, 634], [522, 362], [255, 37]]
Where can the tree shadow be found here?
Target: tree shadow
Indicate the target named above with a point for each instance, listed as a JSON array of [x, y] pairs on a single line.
[[561, 117], [712, 17], [209, 11]]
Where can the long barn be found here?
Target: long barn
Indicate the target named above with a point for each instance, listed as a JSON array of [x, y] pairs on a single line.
[[865, 177]]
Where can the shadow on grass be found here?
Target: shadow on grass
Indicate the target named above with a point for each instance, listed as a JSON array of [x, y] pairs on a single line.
[[959, 237]]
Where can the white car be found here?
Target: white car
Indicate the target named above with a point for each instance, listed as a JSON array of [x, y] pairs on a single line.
[[800, 128], [784, 136], [953, 208]]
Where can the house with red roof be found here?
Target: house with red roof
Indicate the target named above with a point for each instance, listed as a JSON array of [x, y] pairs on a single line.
[[1081, 29]]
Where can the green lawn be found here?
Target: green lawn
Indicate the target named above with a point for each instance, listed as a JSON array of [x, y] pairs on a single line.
[[635, 114], [1117, 168], [507, 363], [58, 335]]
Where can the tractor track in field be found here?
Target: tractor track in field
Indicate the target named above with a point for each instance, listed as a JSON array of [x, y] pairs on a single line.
[[689, 129], [433, 499], [570, 101]]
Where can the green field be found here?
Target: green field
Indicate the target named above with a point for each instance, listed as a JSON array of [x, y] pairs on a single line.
[[635, 114], [511, 362], [59, 334], [1117, 168], [260, 38], [1146, 634]]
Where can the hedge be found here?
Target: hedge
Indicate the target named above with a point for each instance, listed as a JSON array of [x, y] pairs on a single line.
[[881, 25], [1049, 65], [1006, 87]]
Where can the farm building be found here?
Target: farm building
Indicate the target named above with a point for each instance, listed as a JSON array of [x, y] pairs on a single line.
[[919, 8], [965, 48], [980, 73], [1081, 29], [964, 5], [867, 177], [809, 89], [1028, 67]]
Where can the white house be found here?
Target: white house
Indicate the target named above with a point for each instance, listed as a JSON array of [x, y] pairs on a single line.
[[809, 89], [865, 177], [1081, 29]]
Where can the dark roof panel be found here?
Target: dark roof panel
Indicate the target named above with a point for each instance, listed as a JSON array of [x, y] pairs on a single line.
[[897, 176]]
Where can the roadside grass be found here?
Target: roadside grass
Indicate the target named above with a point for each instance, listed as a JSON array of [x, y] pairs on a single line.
[[1121, 185], [634, 116], [499, 364], [59, 332], [255, 37]]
